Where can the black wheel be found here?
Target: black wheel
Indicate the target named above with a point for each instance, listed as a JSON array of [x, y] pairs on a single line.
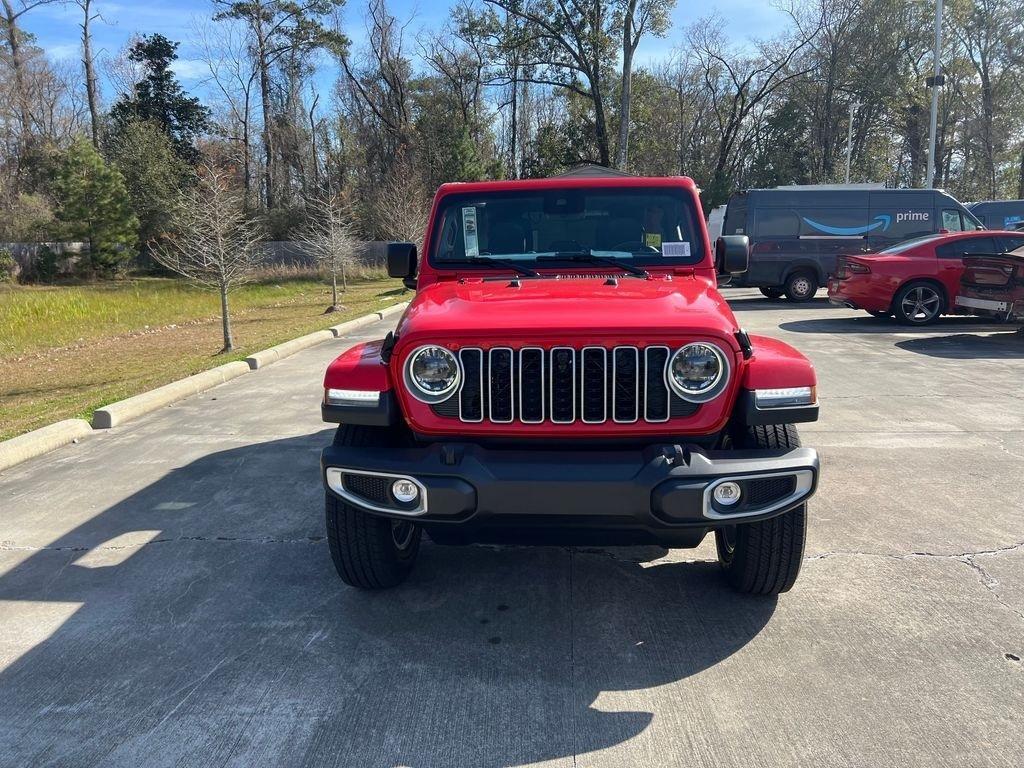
[[918, 303], [879, 313], [801, 286], [369, 551], [771, 293], [764, 558]]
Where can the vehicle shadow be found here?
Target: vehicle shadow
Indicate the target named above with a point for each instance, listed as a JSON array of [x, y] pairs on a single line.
[[865, 323], [229, 638], [968, 346], [757, 303]]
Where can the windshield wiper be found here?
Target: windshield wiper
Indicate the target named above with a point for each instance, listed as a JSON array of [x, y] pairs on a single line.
[[589, 257], [488, 261]]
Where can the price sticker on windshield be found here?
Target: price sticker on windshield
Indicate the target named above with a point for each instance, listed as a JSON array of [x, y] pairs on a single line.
[[675, 249], [470, 238]]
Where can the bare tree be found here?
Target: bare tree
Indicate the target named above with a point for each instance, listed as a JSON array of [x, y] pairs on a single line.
[[226, 50], [639, 17], [330, 238], [13, 11], [401, 207], [92, 88], [215, 246]]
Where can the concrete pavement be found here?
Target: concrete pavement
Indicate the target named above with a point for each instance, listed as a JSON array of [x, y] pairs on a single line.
[[167, 598]]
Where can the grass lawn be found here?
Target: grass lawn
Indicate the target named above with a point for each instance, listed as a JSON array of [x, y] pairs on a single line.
[[67, 350]]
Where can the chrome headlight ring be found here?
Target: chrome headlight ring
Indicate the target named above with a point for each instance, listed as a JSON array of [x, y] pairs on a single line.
[[707, 392], [414, 381]]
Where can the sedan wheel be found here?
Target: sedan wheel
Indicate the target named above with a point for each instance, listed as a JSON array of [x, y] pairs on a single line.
[[918, 304]]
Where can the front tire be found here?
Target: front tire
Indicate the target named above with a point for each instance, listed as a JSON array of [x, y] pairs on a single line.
[[764, 558], [801, 286], [369, 551]]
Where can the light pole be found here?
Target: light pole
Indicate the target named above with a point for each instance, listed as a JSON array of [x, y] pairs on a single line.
[[935, 82], [849, 139]]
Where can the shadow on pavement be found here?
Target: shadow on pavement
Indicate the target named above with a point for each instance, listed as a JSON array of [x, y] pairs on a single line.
[[754, 303], [229, 638], [967, 346], [865, 323]]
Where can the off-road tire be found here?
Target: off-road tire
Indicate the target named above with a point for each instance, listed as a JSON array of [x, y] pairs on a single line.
[[365, 548], [801, 286], [771, 293], [764, 558]]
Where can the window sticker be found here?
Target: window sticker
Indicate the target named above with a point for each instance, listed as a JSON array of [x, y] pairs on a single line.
[[676, 249], [469, 233], [653, 239]]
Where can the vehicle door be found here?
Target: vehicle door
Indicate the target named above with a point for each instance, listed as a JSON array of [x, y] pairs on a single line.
[[949, 259]]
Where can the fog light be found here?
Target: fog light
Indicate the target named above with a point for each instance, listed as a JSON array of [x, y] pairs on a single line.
[[405, 491], [727, 493]]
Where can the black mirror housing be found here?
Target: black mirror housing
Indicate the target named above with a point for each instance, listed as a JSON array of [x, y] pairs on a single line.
[[402, 261], [732, 254]]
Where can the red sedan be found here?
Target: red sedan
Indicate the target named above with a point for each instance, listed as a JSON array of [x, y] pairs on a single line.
[[917, 280]]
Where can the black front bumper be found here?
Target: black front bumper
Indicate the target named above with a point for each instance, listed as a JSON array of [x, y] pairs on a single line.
[[659, 494]]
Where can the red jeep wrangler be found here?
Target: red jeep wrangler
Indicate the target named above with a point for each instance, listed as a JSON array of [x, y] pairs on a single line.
[[567, 373]]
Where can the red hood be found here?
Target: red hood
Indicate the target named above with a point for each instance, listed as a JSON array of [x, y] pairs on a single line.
[[556, 307]]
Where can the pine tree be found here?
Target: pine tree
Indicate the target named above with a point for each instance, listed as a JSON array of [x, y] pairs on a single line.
[[159, 98], [93, 206]]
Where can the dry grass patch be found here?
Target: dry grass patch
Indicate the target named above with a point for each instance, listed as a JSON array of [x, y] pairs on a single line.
[[67, 350]]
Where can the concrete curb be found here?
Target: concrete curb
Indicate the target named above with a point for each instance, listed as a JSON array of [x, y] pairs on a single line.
[[40, 441], [125, 410], [267, 356], [393, 310], [52, 436]]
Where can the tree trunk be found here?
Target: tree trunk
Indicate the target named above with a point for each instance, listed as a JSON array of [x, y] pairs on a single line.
[[334, 288], [18, 68], [600, 123], [514, 133], [225, 317], [626, 90], [1020, 177], [91, 87], [246, 153], [268, 128]]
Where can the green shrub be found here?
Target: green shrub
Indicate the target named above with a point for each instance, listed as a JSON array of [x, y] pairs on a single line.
[[9, 267], [44, 265]]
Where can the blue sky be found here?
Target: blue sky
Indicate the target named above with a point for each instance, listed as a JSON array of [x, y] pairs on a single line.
[[56, 26]]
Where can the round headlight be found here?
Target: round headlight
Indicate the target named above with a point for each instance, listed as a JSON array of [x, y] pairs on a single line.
[[432, 373], [698, 372]]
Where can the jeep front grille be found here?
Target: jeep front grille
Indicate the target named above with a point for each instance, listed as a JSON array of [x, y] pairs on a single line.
[[564, 385]]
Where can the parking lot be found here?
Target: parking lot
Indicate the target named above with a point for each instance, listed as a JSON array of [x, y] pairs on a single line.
[[167, 596]]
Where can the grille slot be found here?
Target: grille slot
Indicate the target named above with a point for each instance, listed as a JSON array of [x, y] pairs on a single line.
[[499, 381], [565, 385], [625, 382], [471, 394]]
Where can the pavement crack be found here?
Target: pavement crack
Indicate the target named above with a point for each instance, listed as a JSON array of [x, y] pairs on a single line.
[[11, 547], [987, 580]]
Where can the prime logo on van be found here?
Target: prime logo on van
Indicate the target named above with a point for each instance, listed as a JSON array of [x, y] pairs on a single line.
[[881, 223], [883, 220]]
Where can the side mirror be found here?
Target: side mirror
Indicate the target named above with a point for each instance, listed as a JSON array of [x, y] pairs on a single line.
[[732, 254], [402, 263]]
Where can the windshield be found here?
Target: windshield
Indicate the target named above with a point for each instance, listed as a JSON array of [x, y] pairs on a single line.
[[640, 226]]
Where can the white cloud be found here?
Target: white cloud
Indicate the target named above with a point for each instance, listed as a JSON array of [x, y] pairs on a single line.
[[190, 69]]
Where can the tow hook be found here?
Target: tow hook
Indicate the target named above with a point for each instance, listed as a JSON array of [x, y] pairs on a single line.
[[676, 455]]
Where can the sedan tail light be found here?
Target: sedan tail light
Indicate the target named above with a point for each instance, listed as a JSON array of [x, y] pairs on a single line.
[[846, 267]]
